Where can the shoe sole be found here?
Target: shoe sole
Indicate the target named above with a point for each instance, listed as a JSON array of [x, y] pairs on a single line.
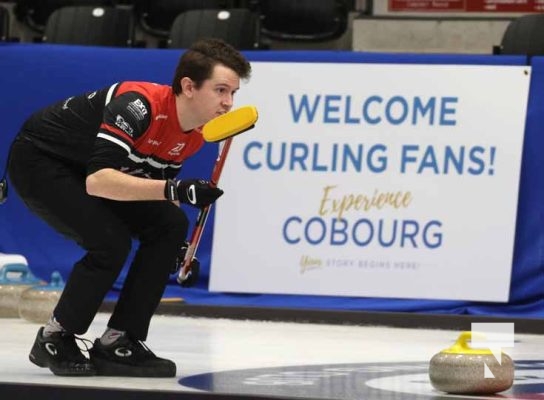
[[110, 368], [40, 362]]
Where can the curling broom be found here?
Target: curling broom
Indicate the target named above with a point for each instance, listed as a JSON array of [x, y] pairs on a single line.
[[220, 129]]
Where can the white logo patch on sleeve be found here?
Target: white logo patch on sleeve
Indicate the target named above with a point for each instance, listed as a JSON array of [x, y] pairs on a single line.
[[123, 125], [138, 109]]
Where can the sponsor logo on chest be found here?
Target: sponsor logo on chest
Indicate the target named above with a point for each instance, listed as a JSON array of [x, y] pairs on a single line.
[[176, 150]]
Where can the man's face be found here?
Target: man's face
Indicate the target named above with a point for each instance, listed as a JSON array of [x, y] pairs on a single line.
[[216, 95]]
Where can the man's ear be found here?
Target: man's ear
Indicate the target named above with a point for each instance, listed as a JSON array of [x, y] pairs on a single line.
[[187, 86]]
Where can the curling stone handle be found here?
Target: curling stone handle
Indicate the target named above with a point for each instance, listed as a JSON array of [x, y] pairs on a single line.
[[21, 269], [461, 345]]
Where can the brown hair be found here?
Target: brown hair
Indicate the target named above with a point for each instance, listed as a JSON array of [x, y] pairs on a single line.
[[198, 62]]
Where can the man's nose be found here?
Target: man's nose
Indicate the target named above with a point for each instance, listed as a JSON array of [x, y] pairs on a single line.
[[228, 100]]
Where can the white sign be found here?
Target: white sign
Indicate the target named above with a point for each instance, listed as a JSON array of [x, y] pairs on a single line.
[[373, 180]]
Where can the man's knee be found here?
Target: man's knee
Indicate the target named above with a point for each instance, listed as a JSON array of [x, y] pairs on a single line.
[[111, 250]]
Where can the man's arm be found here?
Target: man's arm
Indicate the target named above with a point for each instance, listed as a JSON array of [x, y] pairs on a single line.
[[116, 185]]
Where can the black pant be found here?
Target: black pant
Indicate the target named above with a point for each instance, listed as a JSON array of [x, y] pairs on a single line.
[[55, 191]]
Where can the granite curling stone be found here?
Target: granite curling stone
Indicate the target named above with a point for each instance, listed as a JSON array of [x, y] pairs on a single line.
[[38, 302], [14, 280], [462, 369]]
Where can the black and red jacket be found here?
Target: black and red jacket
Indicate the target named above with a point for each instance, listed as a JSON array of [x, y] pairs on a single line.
[[130, 126]]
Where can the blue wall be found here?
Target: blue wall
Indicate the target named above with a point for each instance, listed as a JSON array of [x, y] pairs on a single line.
[[33, 75]]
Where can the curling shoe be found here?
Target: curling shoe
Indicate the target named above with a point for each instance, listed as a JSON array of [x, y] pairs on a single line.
[[61, 354], [129, 357]]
